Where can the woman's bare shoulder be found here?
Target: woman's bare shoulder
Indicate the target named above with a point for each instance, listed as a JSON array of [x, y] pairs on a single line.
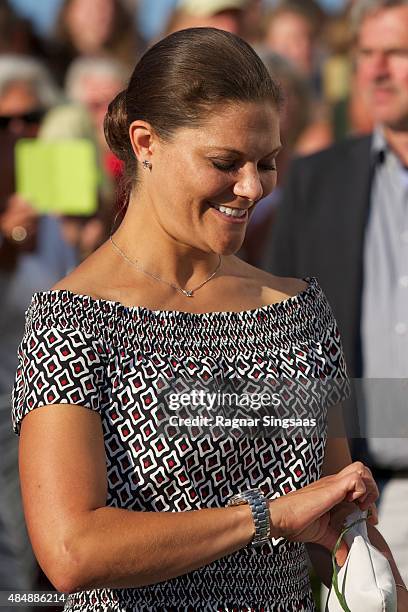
[[285, 286], [88, 278]]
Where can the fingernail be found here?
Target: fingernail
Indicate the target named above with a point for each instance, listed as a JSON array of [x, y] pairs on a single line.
[[340, 560]]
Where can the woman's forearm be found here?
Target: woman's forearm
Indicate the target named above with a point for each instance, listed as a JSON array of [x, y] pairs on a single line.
[[322, 562], [378, 541], [116, 548], [322, 559]]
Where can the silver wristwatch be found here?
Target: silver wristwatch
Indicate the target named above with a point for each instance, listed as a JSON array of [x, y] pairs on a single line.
[[260, 513]]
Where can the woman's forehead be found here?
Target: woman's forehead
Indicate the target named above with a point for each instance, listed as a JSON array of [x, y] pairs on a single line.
[[238, 127]]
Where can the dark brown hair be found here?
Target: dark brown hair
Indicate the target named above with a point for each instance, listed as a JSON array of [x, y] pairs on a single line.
[[178, 82]]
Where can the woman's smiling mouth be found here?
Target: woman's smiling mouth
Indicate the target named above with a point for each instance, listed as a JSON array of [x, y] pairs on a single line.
[[232, 215]]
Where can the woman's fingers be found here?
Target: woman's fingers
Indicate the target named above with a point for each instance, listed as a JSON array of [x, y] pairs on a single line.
[[339, 514], [372, 515], [323, 532], [341, 554], [329, 541], [17, 202], [19, 219], [365, 490], [356, 466], [295, 512], [371, 495], [351, 486], [316, 513]]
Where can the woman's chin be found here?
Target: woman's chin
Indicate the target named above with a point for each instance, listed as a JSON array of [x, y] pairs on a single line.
[[228, 248]]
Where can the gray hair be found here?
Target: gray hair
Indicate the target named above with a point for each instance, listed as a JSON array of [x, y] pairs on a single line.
[[363, 8], [18, 68], [92, 66], [279, 67]]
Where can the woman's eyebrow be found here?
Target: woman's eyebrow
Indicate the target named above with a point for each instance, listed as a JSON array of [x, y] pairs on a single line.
[[236, 152]]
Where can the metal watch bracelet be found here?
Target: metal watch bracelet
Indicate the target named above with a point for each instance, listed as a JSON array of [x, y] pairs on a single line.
[[260, 513]]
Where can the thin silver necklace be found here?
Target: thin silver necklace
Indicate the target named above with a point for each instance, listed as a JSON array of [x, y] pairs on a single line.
[[186, 292]]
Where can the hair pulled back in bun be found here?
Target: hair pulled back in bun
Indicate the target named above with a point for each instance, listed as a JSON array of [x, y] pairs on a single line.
[[179, 80], [116, 127]]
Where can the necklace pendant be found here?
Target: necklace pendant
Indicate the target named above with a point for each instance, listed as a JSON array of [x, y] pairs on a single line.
[[135, 263]]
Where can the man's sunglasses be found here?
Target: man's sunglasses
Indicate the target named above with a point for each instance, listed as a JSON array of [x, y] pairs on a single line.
[[30, 118]]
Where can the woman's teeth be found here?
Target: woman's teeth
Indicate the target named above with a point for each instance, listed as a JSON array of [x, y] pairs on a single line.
[[232, 212]]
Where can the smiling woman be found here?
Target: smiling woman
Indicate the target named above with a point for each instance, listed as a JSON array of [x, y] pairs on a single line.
[[205, 172], [218, 172], [142, 520]]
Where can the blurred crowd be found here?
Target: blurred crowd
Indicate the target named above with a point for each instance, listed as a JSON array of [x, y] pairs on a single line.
[[58, 83], [57, 76], [61, 63]]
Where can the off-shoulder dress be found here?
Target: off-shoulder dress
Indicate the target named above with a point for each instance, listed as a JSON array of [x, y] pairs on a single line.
[[115, 359]]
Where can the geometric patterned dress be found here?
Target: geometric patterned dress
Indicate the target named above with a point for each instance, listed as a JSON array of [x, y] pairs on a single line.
[[116, 360]]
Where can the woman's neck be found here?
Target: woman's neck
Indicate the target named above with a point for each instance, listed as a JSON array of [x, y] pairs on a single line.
[[143, 240]]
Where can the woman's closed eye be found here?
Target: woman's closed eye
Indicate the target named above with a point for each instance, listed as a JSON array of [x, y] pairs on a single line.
[[233, 166], [268, 167]]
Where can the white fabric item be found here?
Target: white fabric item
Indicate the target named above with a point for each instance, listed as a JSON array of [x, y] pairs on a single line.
[[393, 520], [366, 579]]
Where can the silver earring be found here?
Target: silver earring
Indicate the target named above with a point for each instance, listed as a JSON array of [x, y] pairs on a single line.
[[146, 164]]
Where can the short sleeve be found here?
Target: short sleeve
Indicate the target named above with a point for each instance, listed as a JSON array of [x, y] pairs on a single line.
[[56, 365]]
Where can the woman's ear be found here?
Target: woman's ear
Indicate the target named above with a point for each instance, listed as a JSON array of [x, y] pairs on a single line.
[[142, 138]]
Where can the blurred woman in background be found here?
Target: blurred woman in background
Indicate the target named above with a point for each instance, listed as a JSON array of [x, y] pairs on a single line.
[[33, 255], [292, 29], [94, 28], [90, 84]]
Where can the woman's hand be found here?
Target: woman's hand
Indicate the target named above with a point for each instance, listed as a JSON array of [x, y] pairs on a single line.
[[305, 515], [18, 221]]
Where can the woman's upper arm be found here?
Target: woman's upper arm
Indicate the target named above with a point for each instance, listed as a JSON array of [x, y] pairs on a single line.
[[63, 477], [337, 453]]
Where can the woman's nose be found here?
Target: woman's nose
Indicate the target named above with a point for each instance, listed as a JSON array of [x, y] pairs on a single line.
[[249, 185]]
